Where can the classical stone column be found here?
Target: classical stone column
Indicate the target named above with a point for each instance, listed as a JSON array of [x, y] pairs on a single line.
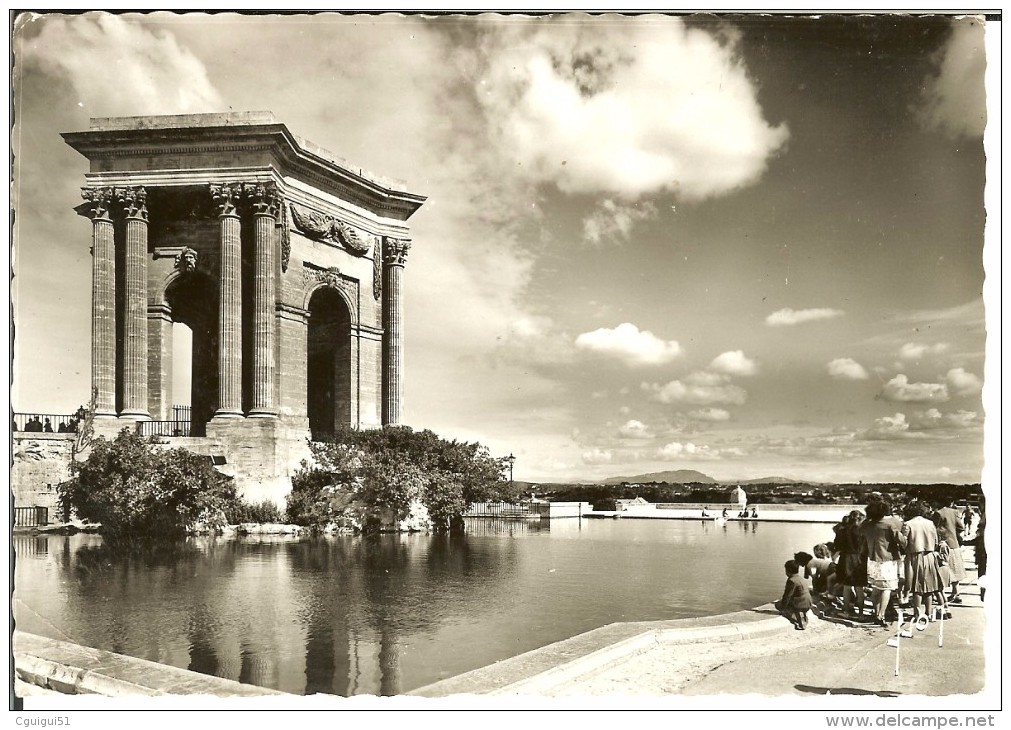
[[134, 202], [394, 257], [265, 205], [226, 197], [103, 301]]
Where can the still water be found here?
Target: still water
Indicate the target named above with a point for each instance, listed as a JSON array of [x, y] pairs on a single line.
[[388, 614]]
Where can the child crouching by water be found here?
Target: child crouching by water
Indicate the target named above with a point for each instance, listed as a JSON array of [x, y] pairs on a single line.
[[796, 600]]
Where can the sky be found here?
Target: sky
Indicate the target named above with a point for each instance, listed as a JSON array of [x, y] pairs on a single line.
[[750, 246]]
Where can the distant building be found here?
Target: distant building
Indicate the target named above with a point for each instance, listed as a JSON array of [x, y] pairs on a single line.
[[620, 505]]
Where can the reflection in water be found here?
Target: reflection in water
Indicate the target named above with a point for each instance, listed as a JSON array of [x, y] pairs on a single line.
[[389, 613]]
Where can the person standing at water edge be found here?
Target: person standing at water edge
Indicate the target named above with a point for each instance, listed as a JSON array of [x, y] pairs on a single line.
[[922, 575], [885, 544], [796, 600], [954, 527], [851, 570]]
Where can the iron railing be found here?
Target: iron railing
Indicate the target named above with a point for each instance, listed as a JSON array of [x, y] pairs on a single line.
[[500, 509], [45, 422], [165, 428], [31, 516]]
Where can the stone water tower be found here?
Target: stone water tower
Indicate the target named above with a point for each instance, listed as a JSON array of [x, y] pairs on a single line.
[[284, 262]]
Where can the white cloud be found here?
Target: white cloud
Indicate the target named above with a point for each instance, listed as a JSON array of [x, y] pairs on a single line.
[[120, 68], [678, 450], [955, 99], [634, 429], [701, 377], [963, 383], [627, 343], [914, 351], [890, 427], [626, 108], [597, 456], [900, 389], [845, 368], [786, 317], [734, 363], [710, 414], [612, 222], [934, 419], [676, 391]]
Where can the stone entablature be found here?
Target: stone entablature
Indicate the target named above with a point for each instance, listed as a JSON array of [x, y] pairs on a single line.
[[232, 225]]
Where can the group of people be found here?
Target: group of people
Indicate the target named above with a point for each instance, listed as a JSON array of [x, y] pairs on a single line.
[[744, 514], [35, 425], [910, 561]]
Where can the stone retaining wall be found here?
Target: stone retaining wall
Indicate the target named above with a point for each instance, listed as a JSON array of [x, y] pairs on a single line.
[[41, 462], [73, 669]]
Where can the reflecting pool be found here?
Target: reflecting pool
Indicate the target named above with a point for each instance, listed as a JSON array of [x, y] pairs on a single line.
[[391, 613]]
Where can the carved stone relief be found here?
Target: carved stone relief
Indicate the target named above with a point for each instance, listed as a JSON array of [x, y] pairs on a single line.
[[395, 251], [187, 260], [377, 268], [323, 227], [313, 274]]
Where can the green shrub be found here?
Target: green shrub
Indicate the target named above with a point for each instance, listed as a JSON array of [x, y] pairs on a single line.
[[362, 479], [241, 511], [135, 488]]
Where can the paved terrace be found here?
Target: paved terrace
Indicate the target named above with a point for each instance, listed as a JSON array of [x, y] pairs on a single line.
[[748, 652]]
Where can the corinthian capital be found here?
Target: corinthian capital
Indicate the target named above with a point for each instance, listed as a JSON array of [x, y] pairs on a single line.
[[263, 197], [99, 201], [226, 197], [395, 251], [134, 201]]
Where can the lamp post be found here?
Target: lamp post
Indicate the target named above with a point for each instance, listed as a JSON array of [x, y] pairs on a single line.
[[511, 459]]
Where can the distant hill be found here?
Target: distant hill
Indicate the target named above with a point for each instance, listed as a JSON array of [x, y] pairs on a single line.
[[680, 476]]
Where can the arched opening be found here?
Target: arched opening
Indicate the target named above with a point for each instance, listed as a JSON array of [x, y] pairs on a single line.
[[328, 363], [193, 301]]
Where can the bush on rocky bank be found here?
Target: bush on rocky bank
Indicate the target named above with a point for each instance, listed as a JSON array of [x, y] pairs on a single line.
[[393, 478], [133, 487]]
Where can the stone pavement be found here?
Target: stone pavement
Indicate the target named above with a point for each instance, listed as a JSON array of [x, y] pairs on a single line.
[[829, 658], [750, 652], [867, 666]]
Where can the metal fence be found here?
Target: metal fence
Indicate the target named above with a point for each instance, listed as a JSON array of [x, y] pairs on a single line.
[[500, 509], [31, 516], [165, 428], [45, 422]]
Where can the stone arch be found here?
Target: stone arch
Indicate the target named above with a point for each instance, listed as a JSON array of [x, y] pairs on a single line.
[[334, 283], [191, 298], [330, 362]]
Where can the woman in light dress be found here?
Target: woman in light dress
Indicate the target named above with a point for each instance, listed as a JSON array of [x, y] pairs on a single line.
[[923, 578]]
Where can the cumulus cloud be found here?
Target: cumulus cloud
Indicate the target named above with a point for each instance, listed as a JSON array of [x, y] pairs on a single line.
[[962, 383], [845, 368], [734, 363], [890, 427], [634, 429], [954, 100], [900, 389], [597, 456], [702, 377], [627, 343], [678, 450], [914, 351], [613, 222], [625, 108], [786, 317], [678, 392], [710, 414], [932, 419], [120, 68]]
